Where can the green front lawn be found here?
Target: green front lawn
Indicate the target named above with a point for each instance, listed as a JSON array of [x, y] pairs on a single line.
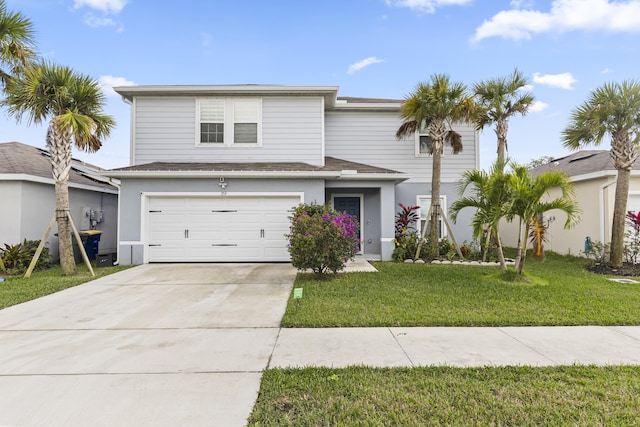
[[509, 396], [559, 292], [16, 289]]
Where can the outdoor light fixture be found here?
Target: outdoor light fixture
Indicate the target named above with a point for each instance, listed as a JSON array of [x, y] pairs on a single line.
[[223, 185]]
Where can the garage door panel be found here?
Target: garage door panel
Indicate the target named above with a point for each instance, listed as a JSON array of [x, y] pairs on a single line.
[[215, 229]]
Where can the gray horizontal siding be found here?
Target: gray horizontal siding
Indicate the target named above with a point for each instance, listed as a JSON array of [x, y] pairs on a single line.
[[370, 138], [165, 130]]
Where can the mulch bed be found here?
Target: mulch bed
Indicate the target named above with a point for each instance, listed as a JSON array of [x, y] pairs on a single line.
[[627, 269]]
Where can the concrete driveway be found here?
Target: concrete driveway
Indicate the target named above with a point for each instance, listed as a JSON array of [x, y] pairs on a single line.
[[156, 345]]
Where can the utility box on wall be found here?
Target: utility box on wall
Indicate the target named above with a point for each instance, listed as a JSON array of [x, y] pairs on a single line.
[[90, 218]]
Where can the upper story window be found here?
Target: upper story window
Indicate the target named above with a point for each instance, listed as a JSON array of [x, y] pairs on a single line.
[[229, 121], [423, 143]]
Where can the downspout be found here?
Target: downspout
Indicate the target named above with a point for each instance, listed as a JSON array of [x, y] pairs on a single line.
[[117, 260], [603, 187]]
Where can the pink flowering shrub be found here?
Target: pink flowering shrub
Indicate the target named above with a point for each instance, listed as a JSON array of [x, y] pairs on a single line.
[[322, 239]]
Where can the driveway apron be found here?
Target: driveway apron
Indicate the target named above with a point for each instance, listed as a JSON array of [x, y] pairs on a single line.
[[155, 345]]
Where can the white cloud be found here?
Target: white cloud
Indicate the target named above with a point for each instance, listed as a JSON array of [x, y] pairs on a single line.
[[95, 21], [606, 71], [527, 88], [106, 6], [564, 15], [563, 81], [364, 63], [107, 83], [538, 106], [427, 6], [521, 4]]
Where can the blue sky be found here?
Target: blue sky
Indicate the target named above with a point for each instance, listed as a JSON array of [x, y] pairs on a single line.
[[369, 48]]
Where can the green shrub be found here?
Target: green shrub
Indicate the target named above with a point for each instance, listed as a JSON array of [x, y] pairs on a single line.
[[16, 258], [322, 239]]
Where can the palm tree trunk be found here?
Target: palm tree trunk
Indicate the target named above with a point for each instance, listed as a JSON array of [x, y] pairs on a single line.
[[434, 232], [502, 127], [503, 263], [619, 212], [60, 150], [522, 249]]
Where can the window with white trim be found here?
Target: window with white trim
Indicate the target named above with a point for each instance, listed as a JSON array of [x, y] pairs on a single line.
[[227, 122], [423, 143], [425, 204]]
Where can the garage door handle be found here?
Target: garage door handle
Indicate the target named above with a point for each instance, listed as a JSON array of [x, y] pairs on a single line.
[[157, 244], [186, 234], [224, 244], [226, 210], [262, 232]]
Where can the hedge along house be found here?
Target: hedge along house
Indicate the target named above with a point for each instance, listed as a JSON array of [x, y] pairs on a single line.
[[28, 198], [216, 170]]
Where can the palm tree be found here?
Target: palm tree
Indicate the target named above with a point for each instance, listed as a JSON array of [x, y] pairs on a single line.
[[612, 110], [72, 103], [434, 106], [498, 100], [16, 43], [490, 197], [526, 195]]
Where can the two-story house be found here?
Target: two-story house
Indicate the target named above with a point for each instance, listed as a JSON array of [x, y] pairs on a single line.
[[216, 170]]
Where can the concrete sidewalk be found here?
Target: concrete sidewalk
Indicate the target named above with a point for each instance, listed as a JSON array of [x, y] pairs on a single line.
[[461, 347]]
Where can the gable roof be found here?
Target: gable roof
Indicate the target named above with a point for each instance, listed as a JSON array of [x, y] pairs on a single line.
[[333, 169], [582, 163], [21, 160]]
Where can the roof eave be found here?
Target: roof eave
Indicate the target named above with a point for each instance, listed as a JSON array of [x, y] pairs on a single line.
[[330, 93], [220, 173]]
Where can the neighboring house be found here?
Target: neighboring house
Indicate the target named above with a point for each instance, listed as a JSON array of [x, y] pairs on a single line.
[[28, 198], [594, 181], [216, 170]]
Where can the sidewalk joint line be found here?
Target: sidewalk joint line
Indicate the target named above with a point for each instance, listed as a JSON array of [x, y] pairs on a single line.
[[527, 345], [401, 348]]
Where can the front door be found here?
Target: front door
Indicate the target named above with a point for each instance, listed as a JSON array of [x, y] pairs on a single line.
[[349, 205]]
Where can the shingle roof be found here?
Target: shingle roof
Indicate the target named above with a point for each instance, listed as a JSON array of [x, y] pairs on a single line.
[[18, 158], [353, 99], [581, 163], [331, 164]]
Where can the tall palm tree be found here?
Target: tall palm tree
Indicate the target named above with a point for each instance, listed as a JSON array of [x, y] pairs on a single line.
[[73, 104], [529, 200], [498, 100], [434, 106], [16, 43], [490, 197], [612, 110]]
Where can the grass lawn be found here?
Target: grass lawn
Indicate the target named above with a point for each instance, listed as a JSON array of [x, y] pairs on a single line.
[[559, 292], [509, 396], [16, 289]]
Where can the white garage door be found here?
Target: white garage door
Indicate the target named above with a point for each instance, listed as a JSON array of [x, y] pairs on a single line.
[[219, 229]]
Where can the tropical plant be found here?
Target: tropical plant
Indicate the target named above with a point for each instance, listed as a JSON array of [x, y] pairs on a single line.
[[539, 236], [16, 258], [321, 239], [612, 110], [530, 199], [16, 43], [490, 196], [632, 241], [406, 219], [434, 106], [497, 101], [73, 104]]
